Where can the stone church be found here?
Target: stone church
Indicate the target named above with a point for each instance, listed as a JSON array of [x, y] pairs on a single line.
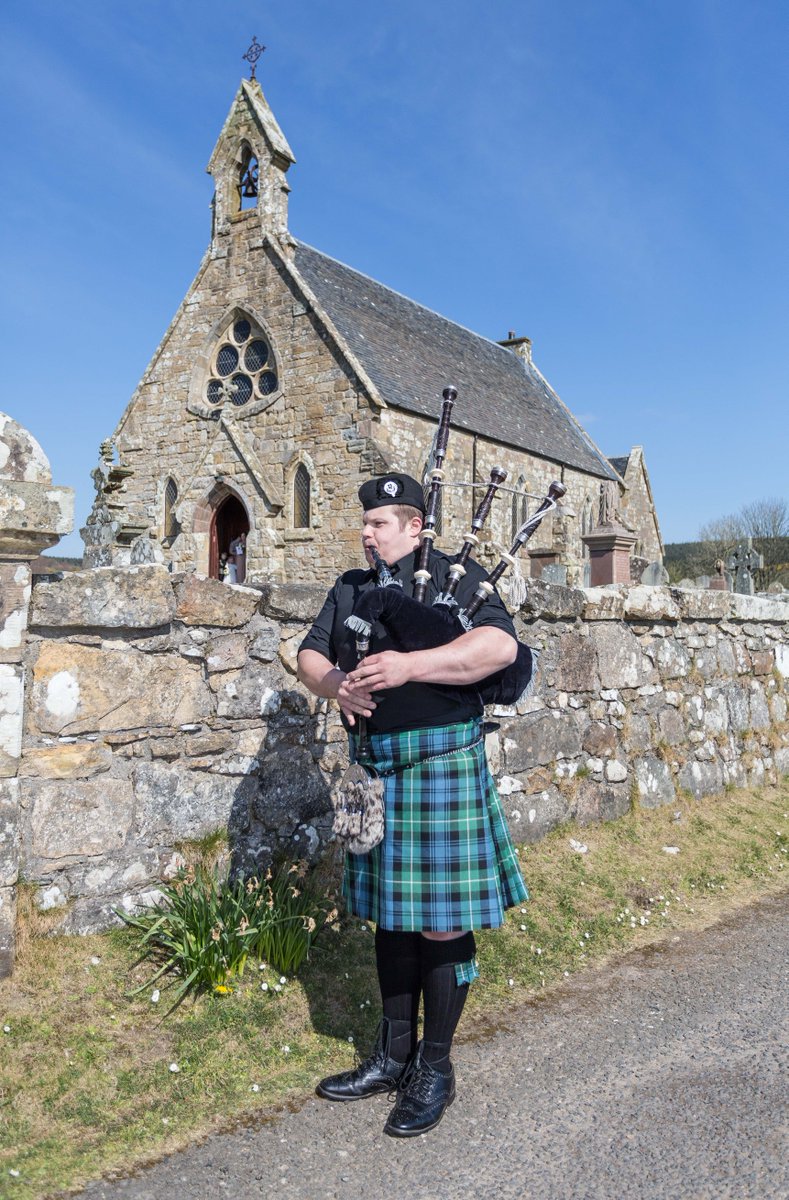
[[286, 378]]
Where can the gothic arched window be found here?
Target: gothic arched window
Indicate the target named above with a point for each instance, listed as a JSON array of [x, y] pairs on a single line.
[[243, 366], [171, 526], [302, 487]]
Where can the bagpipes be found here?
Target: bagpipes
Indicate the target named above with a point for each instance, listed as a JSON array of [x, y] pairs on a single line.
[[414, 625]]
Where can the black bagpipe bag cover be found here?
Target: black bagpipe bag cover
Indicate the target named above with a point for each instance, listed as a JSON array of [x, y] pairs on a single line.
[[416, 626]]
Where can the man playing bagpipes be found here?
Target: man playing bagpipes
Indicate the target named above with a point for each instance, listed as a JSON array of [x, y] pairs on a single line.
[[446, 865]]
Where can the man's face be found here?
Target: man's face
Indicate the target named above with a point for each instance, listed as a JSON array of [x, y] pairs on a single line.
[[381, 528]]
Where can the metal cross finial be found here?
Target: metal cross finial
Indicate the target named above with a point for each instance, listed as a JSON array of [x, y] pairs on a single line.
[[252, 55]]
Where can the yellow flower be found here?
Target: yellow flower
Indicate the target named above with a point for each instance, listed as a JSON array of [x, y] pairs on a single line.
[[222, 988]]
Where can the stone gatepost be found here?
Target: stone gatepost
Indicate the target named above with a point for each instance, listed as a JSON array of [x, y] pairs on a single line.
[[33, 516]]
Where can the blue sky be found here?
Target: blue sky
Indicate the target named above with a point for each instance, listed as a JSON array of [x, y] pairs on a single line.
[[609, 178]]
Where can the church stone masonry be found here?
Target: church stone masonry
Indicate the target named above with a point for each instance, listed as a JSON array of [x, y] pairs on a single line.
[[286, 379]]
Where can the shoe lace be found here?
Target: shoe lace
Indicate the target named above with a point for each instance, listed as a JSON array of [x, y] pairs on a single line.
[[415, 1081], [397, 1089]]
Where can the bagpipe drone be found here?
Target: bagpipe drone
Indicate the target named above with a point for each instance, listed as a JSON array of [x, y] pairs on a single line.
[[414, 625]]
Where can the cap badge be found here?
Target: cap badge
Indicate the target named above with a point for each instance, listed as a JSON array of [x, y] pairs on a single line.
[[391, 487]]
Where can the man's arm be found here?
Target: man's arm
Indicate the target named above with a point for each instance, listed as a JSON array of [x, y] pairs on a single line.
[[323, 679], [466, 660]]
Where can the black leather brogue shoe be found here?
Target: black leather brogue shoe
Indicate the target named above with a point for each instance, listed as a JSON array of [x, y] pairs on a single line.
[[424, 1096], [378, 1073]]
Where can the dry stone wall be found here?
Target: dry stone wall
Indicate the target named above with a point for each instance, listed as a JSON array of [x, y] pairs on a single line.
[[647, 696], [163, 707]]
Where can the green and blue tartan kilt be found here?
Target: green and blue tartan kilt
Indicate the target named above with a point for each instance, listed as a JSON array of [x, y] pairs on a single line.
[[447, 861]]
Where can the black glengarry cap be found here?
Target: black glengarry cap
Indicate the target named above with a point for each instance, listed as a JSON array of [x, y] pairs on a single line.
[[392, 489]]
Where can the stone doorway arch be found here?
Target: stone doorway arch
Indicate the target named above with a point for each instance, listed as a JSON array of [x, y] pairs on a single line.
[[218, 521], [229, 521]]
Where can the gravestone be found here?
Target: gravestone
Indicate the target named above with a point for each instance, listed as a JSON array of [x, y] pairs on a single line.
[[654, 575], [637, 567], [555, 573], [721, 581], [743, 561]]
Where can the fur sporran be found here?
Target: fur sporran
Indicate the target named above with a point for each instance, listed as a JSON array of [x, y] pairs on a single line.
[[358, 802]]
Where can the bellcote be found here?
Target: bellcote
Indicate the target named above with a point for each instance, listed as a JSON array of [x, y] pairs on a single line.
[[249, 165]]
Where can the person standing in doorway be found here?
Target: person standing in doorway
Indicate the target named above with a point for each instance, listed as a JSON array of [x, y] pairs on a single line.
[[238, 552]]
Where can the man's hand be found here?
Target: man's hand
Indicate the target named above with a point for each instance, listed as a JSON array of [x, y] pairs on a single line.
[[324, 679], [389, 669], [355, 699]]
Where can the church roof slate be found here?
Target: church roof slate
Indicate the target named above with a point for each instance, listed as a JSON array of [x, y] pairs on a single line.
[[411, 353], [620, 464]]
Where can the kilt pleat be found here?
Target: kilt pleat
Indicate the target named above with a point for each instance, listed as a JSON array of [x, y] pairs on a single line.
[[447, 861]]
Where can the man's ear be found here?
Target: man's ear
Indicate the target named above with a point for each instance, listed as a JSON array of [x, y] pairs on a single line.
[[416, 524]]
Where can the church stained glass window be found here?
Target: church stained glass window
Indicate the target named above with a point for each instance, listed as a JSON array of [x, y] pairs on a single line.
[[226, 360], [301, 498], [241, 388], [267, 383], [171, 526], [242, 367]]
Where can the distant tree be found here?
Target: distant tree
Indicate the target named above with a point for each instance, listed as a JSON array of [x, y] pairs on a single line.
[[766, 522], [767, 518]]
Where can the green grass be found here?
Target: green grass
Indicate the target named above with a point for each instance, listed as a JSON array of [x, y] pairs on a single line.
[[86, 1085]]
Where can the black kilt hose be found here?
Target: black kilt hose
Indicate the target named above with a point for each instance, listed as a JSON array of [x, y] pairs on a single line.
[[447, 862]]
